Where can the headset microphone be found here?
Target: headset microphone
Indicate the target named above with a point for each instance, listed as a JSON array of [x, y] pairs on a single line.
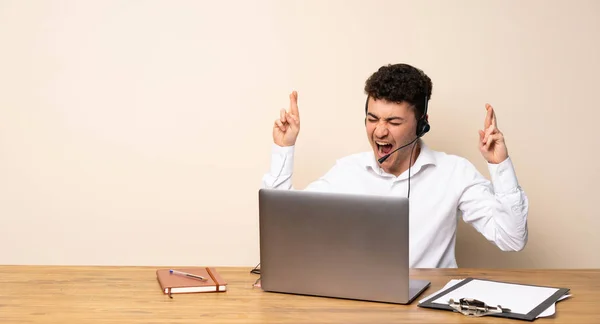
[[385, 157]]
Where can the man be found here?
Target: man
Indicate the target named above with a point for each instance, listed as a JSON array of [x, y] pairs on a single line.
[[439, 185]]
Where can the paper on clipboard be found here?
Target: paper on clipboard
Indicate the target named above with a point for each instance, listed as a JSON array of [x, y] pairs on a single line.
[[543, 292]]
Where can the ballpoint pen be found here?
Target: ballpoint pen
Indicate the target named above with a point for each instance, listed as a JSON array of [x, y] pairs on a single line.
[[185, 274]]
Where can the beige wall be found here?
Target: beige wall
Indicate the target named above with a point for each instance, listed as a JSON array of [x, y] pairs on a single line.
[[136, 132]]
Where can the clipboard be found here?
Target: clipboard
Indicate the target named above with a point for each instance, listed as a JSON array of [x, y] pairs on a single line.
[[525, 302]]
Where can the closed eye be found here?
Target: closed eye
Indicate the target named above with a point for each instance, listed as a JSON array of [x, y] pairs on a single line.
[[395, 121]]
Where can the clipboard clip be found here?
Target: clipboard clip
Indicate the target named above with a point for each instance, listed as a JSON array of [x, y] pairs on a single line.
[[475, 308]]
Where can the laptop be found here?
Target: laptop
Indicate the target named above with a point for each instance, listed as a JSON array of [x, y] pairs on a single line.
[[336, 245]]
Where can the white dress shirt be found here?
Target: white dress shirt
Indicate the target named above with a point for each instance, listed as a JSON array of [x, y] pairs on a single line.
[[441, 187]]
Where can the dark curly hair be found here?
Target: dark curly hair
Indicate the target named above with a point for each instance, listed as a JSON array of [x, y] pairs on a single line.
[[400, 83]]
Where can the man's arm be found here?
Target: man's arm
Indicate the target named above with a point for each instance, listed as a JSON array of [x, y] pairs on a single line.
[[497, 209], [285, 132], [281, 170]]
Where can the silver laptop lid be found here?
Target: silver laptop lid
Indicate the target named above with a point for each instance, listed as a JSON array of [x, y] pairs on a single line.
[[334, 245]]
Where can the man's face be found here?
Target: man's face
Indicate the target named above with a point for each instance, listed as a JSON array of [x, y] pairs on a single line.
[[389, 126]]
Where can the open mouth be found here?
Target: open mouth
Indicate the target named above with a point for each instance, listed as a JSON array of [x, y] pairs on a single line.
[[383, 148]]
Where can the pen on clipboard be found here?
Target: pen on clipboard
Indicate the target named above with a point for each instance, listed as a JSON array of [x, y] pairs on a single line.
[[185, 274]]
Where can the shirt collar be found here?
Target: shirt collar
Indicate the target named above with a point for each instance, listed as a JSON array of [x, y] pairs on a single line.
[[426, 157]]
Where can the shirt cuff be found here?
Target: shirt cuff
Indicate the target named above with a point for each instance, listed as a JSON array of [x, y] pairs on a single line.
[[504, 177], [282, 160]]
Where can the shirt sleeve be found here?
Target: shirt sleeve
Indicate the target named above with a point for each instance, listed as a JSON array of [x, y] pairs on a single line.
[[498, 208], [281, 170]]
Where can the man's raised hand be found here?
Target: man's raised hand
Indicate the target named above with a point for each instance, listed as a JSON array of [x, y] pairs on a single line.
[[491, 140], [287, 126]]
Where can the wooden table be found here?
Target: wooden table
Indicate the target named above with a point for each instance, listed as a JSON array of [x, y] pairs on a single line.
[[64, 294]]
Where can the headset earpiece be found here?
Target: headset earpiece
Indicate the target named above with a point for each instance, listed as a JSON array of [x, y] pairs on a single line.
[[422, 124]]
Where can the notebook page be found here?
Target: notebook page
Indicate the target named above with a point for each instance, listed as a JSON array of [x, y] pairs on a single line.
[[520, 299]]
